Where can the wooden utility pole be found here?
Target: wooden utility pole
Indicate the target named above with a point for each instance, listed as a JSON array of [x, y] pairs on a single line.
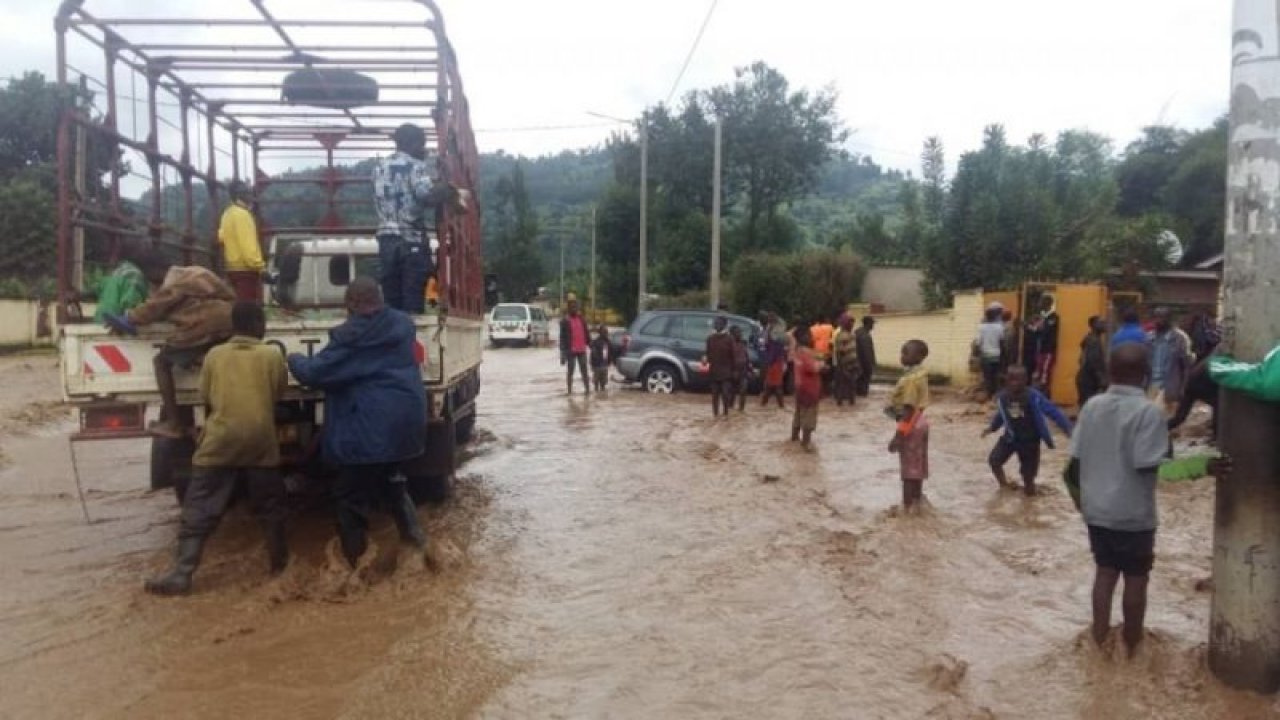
[[562, 295], [1244, 630], [644, 210], [593, 262], [715, 222], [81, 184]]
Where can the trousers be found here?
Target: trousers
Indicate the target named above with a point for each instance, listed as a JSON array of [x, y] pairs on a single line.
[[404, 264], [211, 490]]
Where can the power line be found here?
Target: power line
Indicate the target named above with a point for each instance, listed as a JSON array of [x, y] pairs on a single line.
[[689, 58]]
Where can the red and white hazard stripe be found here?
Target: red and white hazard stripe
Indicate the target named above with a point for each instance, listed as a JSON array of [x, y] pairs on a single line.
[[106, 359]]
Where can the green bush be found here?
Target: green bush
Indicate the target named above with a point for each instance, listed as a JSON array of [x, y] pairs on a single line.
[[803, 285], [691, 300]]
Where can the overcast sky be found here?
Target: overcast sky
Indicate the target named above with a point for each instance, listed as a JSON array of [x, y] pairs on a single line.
[[904, 69]]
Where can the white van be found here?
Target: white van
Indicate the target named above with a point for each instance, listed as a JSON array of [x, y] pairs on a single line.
[[518, 323]]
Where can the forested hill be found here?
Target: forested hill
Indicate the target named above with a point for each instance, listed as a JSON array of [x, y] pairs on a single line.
[[563, 187]]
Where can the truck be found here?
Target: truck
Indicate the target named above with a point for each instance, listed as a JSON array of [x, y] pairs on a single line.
[[174, 101]]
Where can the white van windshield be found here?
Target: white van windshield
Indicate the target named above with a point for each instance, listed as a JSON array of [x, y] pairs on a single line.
[[511, 312]]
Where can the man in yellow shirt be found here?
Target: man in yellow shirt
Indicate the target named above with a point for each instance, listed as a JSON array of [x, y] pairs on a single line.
[[240, 383], [241, 253]]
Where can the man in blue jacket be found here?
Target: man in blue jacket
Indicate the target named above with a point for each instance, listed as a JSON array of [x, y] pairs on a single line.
[[1021, 411], [375, 414]]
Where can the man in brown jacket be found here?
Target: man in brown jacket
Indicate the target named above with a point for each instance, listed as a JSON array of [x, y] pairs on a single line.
[[198, 305], [720, 366]]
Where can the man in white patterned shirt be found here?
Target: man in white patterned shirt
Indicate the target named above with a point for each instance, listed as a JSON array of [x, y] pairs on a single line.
[[404, 196]]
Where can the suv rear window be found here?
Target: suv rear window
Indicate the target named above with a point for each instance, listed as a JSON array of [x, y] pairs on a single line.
[[693, 328], [656, 326], [511, 312]]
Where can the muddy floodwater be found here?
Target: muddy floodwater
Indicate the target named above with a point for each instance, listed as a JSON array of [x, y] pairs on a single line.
[[623, 556]]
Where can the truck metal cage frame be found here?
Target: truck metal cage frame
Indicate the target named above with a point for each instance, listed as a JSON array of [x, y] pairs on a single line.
[[195, 104]]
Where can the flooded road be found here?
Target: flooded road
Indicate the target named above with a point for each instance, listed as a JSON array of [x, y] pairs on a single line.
[[623, 556]]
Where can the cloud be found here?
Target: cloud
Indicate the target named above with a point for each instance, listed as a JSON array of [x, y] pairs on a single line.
[[904, 70]]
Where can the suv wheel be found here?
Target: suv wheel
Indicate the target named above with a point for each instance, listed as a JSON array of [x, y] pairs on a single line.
[[661, 378]]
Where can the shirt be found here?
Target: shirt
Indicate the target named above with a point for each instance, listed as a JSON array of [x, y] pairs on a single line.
[[600, 352], [912, 389], [241, 381], [1161, 349], [1118, 434], [400, 187], [990, 340], [808, 378], [1128, 333], [1019, 416], [124, 289], [821, 334], [577, 335], [238, 233], [720, 356]]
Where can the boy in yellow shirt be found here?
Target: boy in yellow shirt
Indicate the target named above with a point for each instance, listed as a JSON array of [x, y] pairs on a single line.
[[240, 382], [911, 437]]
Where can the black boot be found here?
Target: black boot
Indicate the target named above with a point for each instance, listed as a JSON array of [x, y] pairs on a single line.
[[178, 580], [406, 517], [277, 546]]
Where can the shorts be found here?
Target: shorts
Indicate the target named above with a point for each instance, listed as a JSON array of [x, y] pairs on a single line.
[[774, 375], [805, 418], [913, 454], [1131, 552], [1028, 452]]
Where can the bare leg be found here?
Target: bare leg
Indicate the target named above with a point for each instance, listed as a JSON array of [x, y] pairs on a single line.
[[806, 437], [1134, 605], [1104, 588], [170, 424], [715, 399]]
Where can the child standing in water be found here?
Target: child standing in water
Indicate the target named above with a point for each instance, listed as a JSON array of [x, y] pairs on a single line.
[[808, 379], [741, 366], [911, 438], [1021, 411], [601, 358]]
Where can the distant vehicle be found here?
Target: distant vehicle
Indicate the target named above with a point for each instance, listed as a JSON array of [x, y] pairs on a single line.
[[518, 323], [663, 350]]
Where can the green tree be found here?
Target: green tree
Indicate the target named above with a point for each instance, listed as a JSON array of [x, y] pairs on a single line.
[[933, 168], [30, 112], [776, 142], [517, 261], [1021, 213]]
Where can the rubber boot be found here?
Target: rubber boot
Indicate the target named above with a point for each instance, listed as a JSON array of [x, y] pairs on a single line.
[[178, 580], [277, 546], [351, 534], [406, 517]]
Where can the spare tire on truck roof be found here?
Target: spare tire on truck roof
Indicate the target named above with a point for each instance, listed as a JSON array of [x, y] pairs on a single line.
[[329, 88]]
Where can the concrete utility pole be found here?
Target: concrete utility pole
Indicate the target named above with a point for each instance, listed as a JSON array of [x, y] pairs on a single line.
[[593, 261], [715, 222], [644, 210], [1244, 631]]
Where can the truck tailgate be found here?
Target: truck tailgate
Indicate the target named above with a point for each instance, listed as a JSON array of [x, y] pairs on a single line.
[[98, 365]]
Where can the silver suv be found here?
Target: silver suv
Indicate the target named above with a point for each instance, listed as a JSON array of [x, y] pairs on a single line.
[[664, 349]]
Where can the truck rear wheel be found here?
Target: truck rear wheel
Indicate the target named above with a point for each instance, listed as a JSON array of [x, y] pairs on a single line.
[[430, 475], [171, 464]]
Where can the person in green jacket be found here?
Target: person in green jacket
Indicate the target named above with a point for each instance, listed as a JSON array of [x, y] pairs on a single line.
[[124, 289]]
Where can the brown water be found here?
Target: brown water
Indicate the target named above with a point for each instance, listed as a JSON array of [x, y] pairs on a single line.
[[624, 556]]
